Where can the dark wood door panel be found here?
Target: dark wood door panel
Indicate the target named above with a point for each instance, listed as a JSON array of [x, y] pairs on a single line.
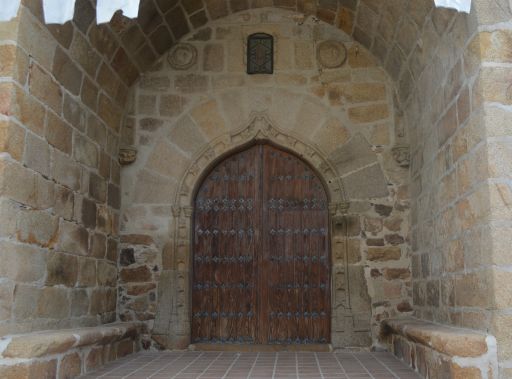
[[261, 255], [295, 226], [226, 222]]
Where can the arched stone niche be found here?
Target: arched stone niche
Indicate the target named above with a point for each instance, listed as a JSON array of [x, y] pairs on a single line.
[[172, 323], [340, 120]]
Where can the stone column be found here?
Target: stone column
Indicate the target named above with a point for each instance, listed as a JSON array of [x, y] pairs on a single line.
[[172, 323]]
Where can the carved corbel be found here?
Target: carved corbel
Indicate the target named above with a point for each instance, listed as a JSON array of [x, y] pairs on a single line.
[[127, 155], [402, 155], [338, 211], [188, 211], [176, 211]]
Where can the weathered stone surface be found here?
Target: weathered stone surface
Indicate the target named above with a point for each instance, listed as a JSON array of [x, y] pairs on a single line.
[[103, 300], [62, 269], [367, 183], [384, 253], [37, 227], [79, 302], [209, 119], [29, 111], [404, 306], [12, 140], [191, 83], [87, 272], [138, 274], [186, 135], [88, 216], [89, 94], [172, 105], [163, 153], [397, 273], [59, 133], [66, 72], [39, 345], [34, 370], [107, 274], [45, 88], [94, 359], [394, 239], [82, 53], [17, 183], [213, 57], [472, 290], [354, 155], [70, 366], [137, 239], [65, 171], [127, 257], [125, 348], [112, 250], [37, 155], [6, 299], [444, 339], [109, 112], [84, 151], [139, 289], [369, 113], [146, 104], [9, 209], [383, 210], [97, 188], [53, 303], [22, 263], [331, 136], [73, 238]]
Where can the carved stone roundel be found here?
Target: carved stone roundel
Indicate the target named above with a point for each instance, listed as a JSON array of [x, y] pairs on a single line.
[[331, 54], [182, 56]]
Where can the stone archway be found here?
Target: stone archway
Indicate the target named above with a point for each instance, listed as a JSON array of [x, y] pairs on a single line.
[[172, 323]]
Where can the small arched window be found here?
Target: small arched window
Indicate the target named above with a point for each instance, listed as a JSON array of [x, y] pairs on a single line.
[[260, 54]]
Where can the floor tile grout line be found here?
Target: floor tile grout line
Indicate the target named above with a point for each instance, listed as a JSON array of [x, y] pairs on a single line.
[[168, 364], [187, 366], [341, 366], [386, 366], [211, 363], [319, 367], [197, 365], [253, 365], [275, 366], [232, 364], [149, 363], [123, 364], [361, 363], [297, 365]]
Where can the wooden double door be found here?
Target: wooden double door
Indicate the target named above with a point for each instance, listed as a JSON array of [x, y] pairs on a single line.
[[261, 262]]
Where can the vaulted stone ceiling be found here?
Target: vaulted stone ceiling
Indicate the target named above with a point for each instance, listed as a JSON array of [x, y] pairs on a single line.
[[382, 26], [402, 34]]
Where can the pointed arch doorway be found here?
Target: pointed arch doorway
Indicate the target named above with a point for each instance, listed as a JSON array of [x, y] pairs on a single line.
[[261, 255]]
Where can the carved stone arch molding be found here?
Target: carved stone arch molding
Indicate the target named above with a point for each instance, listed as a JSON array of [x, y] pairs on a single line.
[[172, 324]]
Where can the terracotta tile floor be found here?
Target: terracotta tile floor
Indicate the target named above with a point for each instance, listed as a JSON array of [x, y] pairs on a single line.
[[228, 365]]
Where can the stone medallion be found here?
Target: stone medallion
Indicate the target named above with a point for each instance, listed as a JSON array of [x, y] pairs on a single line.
[[331, 54], [182, 56]]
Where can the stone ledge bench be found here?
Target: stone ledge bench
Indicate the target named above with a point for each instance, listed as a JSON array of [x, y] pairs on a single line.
[[66, 353], [440, 351]]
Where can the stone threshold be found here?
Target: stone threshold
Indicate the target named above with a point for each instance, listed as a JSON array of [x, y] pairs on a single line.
[[446, 351], [66, 353], [247, 348]]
